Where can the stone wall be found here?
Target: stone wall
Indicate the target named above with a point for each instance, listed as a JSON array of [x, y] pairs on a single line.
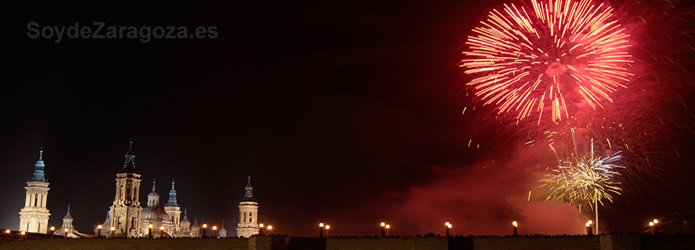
[[603, 242]]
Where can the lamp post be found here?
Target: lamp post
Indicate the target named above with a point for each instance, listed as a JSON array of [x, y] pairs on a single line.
[[150, 226], [516, 225], [205, 230], [328, 228], [161, 231], [8, 231], [214, 231], [383, 229], [588, 227], [448, 228], [22, 233], [388, 227], [65, 233], [53, 230], [321, 230], [656, 226], [98, 231], [260, 229], [651, 227], [270, 229], [113, 229]]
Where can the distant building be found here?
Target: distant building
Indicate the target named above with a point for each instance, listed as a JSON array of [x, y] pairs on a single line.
[[124, 213], [223, 231], [184, 226], [68, 228], [33, 218], [248, 214], [195, 229], [154, 217], [173, 209]]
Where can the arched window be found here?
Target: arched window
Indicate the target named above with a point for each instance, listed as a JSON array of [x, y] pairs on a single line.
[[251, 217]]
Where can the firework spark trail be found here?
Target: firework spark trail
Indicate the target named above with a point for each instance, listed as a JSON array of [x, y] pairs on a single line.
[[587, 180], [561, 52]]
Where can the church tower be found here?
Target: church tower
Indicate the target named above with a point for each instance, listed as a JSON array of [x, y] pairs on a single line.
[[248, 214], [33, 218], [125, 211], [173, 209]]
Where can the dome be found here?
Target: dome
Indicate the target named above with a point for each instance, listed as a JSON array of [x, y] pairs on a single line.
[[185, 223], [154, 213]]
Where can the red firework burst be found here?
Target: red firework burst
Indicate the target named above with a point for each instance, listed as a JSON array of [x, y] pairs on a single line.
[[560, 53]]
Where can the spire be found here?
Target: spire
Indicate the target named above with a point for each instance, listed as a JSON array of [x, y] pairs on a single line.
[[249, 191], [129, 164], [153, 197], [68, 216], [172, 196], [39, 174]]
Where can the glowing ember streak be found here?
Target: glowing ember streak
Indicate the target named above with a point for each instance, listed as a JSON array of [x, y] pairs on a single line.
[[560, 52], [589, 180]]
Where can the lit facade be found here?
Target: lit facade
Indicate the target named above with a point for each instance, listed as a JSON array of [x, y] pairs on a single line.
[[33, 218], [248, 214]]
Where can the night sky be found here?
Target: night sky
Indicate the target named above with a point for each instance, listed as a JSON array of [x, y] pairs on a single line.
[[344, 112]]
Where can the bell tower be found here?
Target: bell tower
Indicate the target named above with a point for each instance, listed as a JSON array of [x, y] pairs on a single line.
[[33, 218], [248, 214], [125, 211]]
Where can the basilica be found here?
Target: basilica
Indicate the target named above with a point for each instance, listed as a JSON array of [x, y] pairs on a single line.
[[126, 217]]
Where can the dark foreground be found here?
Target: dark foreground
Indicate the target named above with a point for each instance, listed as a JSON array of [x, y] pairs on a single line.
[[603, 242]]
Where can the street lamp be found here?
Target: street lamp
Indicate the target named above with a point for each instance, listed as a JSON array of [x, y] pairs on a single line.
[[270, 229], [448, 228], [387, 229], [150, 228], [53, 229], [205, 230], [321, 230], [22, 233], [588, 227], [113, 229], [328, 228], [98, 231], [8, 231], [260, 229], [516, 225], [65, 235], [383, 229], [214, 231], [161, 232]]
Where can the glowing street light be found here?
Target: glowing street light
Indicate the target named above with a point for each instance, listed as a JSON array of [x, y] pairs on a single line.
[[588, 227], [388, 227], [65, 233], [22, 233], [161, 231], [321, 230], [652, 226], [516, 225], [270, 229], [383, 229], [8, 231], [214, 231], [260, 229], [150, 227], [53, 230], [98, 231], [448, 228], [328, 228], [113, 229], [205, 230]]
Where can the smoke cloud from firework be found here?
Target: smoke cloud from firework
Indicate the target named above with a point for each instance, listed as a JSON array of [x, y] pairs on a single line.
[[483, 199]]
